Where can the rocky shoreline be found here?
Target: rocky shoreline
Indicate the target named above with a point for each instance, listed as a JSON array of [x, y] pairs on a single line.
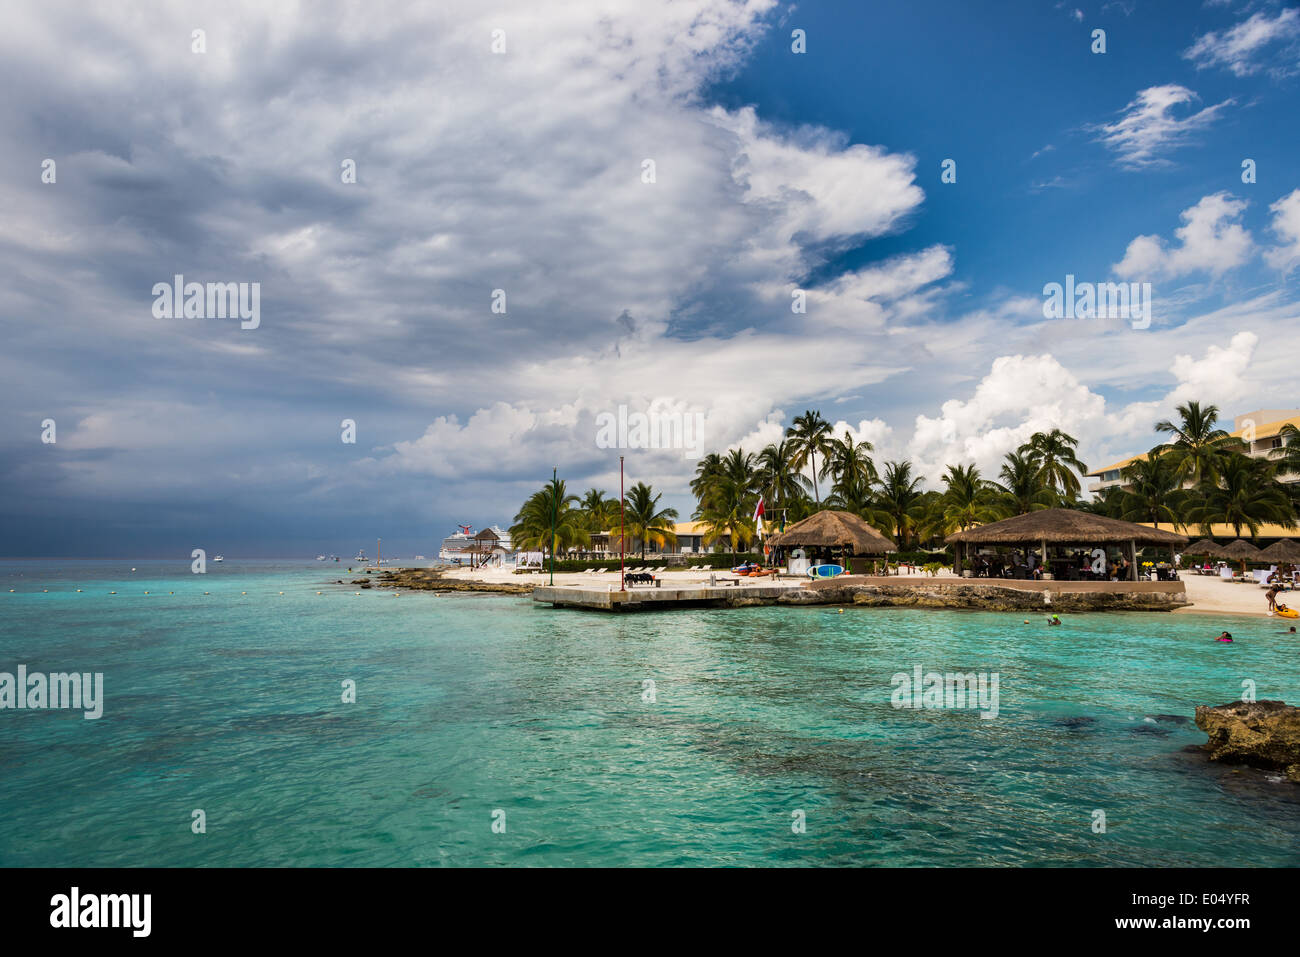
[[989, 596], [1260, 734], [433, 579]]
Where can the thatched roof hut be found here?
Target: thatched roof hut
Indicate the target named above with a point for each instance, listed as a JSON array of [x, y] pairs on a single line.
[[833, 529], [1065, 526], [1241, 549], [1283, 550], [1206, 546]]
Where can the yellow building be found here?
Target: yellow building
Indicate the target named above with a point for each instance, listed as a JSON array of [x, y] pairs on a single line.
[[1261, 431]]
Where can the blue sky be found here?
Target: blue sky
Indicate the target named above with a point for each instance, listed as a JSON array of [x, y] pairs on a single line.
[[521, 169]]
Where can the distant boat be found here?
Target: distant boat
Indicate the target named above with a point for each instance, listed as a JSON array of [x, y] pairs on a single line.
[[219, 558], [320, 558], [420, 558], [361, 556]]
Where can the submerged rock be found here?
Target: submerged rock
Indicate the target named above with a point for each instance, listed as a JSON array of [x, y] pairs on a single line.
[[1261, 734], [1080, 721]]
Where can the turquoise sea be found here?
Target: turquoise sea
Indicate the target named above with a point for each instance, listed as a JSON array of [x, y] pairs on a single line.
[[473, 704]]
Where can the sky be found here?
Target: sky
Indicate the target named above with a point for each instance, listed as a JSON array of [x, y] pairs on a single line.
[[477, 230]]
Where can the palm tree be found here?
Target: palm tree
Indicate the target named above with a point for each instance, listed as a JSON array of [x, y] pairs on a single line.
[[1053, 455], [738, 466], [809, 434], [1152, 491], [1199, 446], [777, 478], [898, 501], [598, 510], [1245, 494], [707, 472], [1287, 455], [849, 463], [728, 513], [1022, 486], [968, 500], [858, 498], [533, 523], [646, 522]]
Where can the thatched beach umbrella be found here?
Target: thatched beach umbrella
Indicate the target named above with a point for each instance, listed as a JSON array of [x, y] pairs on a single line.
[[1205, 546], [1283, 550], [834, 529], [1067, 526], [1242, 551]]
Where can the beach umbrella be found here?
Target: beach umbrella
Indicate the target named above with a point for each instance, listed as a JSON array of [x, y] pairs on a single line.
[[1241, 550], [1283, 550], [1205, 546]]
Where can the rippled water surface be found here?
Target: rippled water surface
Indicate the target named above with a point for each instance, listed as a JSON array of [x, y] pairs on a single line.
[[469, 704]]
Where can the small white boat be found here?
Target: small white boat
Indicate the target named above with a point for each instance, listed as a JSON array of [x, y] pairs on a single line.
[[219, 558], [320, 558]]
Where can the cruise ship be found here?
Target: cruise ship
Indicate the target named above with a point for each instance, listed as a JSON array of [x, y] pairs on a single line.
[[453, 548], [458, 546]]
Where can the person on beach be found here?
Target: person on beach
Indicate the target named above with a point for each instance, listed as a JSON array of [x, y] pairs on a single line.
[[1271, 595], [1226, 637]]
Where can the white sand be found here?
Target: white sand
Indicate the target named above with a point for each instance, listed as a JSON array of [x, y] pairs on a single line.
[[1210, 594]]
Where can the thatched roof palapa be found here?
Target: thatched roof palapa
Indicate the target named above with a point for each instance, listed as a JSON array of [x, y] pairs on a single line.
[[832, 529], [1206, 546], [1241, 549], [1062, 526], [1283, 550]]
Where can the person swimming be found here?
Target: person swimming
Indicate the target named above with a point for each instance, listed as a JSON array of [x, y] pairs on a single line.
[[1225, 637], [1054, 620]]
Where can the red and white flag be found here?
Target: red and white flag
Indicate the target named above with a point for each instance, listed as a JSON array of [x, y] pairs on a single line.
[[758, 515]]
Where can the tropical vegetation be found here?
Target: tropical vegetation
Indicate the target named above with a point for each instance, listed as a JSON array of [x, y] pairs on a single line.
[[1197, 476]]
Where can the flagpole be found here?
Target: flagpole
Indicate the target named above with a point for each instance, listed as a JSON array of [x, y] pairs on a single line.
[[554, 506], [622, 528]]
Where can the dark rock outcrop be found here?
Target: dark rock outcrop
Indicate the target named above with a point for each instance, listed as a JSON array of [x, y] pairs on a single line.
[[996, 596], [1261, 734], [430, 579]]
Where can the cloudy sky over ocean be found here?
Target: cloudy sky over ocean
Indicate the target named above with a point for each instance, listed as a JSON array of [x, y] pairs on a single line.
[[524, 169]]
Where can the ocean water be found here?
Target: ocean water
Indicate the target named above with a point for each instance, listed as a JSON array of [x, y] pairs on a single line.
[[474, 709]]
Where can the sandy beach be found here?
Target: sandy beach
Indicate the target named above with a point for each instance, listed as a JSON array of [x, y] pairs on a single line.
[[1207, 594]]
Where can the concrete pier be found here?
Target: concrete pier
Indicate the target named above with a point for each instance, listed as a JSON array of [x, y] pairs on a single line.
[[644, 598], [990, 594]]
